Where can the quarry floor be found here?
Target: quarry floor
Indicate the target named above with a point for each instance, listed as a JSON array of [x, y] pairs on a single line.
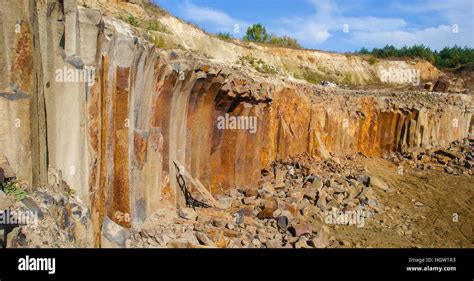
[[418, 208], [444, 219]]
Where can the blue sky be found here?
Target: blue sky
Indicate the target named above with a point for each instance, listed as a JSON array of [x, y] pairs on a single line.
[[319, 24]]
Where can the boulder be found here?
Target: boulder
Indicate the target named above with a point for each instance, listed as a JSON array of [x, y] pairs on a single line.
[[279, 178], [377, 182], [317, 184], [266, 191], [299, 229], [212, 213], [250, 192], [180, 243], [449, 170], [225, 202], [273, 244], [187, 213], [321, 240], [311, 193], [270, 205], [191, 238], [5, 201], [204, 239], [302, 243], [6, 169], [282, 222], [113, 234], [364, 179], [425, 159]]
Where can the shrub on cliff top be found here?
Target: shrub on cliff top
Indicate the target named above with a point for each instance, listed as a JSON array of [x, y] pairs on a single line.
[[449, 57], [258, 33], [224, 35], [133, 21], [154, 25]]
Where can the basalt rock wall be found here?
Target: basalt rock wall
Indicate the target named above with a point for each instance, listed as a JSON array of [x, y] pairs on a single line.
[[117, 132]]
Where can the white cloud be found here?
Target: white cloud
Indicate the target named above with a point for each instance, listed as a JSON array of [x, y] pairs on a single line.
[[454, 11], [434, 37], [329, 18], [200, 14]]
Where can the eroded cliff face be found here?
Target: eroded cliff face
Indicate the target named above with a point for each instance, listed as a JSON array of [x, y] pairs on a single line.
[[22, 108], [116, 132]]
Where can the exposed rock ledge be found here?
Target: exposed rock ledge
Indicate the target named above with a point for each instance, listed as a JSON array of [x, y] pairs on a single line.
[[116, 137]]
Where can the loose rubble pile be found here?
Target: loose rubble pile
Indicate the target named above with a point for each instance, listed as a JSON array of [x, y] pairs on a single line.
[[296, 201], [50, 217], [61, 221], [457, 159]]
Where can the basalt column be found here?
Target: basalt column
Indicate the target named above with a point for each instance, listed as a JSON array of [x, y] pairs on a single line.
[[22, 108]]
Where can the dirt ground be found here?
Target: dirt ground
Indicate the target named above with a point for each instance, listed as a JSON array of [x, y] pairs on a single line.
[[426, 209]]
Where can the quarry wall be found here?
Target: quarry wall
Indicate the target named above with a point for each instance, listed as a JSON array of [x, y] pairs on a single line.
[[114, 113]]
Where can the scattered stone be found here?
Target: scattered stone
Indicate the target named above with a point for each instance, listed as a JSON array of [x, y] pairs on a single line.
[[419, 204], [273, 244], [5, 201], [234, 193], [317, 184], [302, 243], [346, 243], [425, 159], [250, 192], [322, 239], [225, 202], [299, 229], [256, 243], [204, 239], [239, 217], [219, 222], [372, 202], [449, 170], [8, 172], [282, 222], [270, 205], [277, 213], [190, 237], [279, 178], [188, 214], [266, 191], [364, 179], [113, 234], [162, 239], [377, 182], [311, 193], [181, 243]]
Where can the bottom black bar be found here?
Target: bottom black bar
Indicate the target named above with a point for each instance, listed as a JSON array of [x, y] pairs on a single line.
[[291, 264]]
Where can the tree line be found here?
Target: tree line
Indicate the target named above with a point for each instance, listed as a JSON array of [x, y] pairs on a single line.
[[453, 58]]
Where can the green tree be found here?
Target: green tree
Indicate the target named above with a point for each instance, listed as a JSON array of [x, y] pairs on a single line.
[[364, 51], [224, 35], [449, 57], [256, 33], [284, 41]]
